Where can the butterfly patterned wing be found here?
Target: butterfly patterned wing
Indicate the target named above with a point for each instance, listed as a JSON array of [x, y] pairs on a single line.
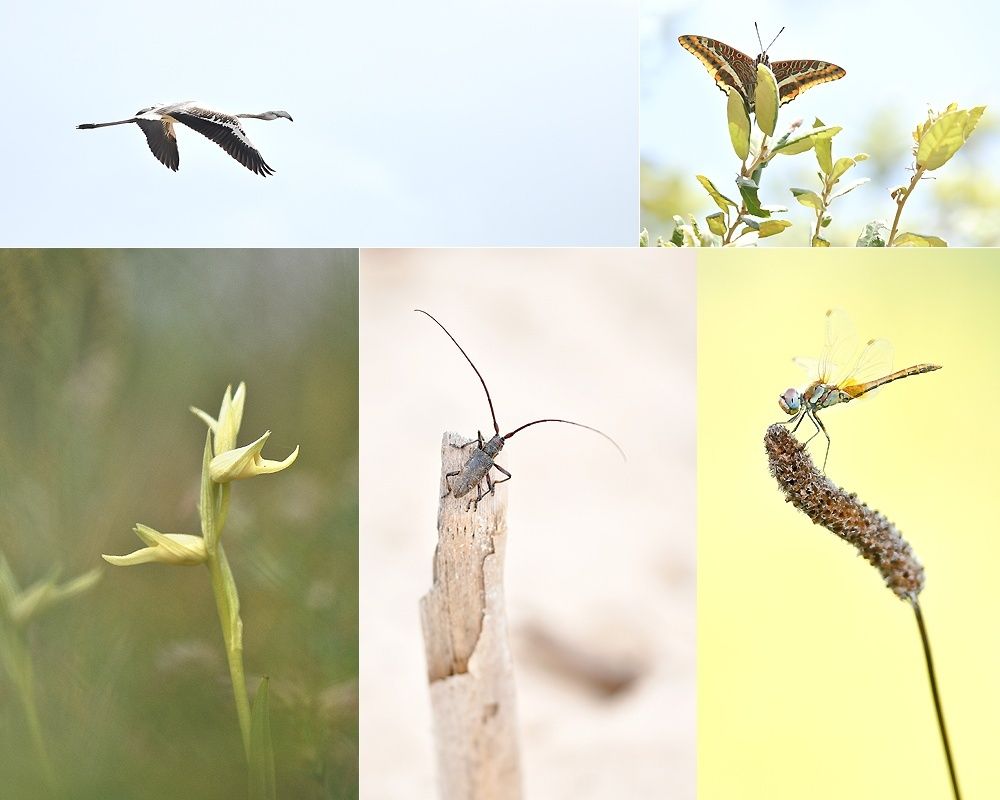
[[795, 77], [730, 68]]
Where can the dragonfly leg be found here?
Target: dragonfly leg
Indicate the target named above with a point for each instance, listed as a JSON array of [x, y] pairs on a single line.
[[822, 427], [802, 415], [815, 421]]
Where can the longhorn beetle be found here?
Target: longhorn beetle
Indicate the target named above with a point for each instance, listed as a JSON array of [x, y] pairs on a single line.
[[477, 469]]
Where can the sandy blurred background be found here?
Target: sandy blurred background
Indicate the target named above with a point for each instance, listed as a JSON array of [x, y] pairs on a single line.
[[101, 353], [600, 553], [811, 680]]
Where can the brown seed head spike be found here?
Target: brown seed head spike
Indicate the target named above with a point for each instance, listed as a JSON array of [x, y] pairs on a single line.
[[826, 504]]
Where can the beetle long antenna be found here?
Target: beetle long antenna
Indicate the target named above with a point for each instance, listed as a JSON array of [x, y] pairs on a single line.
[[774, 39], [496, 427], [569, 422]]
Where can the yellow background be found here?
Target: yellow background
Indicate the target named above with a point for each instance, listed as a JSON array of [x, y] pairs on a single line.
[[811, 680]]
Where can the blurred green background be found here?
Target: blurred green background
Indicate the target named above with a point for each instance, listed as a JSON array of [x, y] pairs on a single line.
[[101, 353]]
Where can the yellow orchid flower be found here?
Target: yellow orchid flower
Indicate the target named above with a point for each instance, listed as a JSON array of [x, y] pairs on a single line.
[[227, 426], [246, 462], [181, 549]]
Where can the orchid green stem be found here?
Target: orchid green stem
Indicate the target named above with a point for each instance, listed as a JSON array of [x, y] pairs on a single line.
[[228, 604]]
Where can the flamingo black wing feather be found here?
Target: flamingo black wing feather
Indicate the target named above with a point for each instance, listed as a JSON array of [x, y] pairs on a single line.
[[226, 132]]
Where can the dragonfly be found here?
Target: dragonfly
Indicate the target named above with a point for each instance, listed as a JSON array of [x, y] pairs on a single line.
[[832, 385]]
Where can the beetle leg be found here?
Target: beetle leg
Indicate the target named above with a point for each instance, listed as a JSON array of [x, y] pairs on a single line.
[[480, 494], [447, 481], [502, 480], [478, 440]]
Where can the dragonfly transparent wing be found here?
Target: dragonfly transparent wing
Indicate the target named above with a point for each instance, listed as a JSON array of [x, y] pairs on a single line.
[[874, 362], [839, 352]]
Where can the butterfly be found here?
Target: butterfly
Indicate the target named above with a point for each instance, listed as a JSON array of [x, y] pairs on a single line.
[[732, 69]]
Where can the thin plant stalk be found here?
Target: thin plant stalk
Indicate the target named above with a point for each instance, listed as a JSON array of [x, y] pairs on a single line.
[[20, 669], [762, 157], [925, 640], [901, 199]]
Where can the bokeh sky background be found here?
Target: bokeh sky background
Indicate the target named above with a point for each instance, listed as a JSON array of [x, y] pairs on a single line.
[[898, 60], [427, 123]]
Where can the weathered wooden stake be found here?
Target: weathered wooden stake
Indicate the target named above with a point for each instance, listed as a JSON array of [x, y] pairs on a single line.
[[469, 665]]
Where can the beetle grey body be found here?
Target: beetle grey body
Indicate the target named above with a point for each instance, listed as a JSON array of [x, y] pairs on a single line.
[[477, 470]]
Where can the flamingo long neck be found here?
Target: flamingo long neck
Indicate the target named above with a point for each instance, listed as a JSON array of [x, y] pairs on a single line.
[[262, 115]]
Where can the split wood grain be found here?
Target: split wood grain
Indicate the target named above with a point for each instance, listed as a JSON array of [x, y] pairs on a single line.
[[469, 664]]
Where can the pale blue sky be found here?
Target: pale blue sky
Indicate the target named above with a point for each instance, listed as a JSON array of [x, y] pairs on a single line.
[[443, 122], [898, 56]]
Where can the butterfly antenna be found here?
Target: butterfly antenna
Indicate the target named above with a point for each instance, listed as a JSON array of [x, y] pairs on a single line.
[[568, 422], [756, 28], [489, 400], [774, 39]]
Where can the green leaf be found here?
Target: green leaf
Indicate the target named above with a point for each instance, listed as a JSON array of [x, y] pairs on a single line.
[[717, 223], [805, 140], [685, 233], [750, 222], [723, 202], [824, 154], [770, 227], [748, 190], [808, 198], [819, 241], [874, 234], [945, 136], [825, 221], [739, 124], [207, 500], [262, 786], [766, 100], [850, 187], [840, 166], [918, 240], [644, 238]]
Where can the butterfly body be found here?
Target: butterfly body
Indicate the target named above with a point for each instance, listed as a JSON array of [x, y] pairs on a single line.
[[732, 69]]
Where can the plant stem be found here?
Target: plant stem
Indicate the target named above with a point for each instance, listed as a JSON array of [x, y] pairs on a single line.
[[937, 698], [762, 157], [228, 604], [900, 202], [20, 670]]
